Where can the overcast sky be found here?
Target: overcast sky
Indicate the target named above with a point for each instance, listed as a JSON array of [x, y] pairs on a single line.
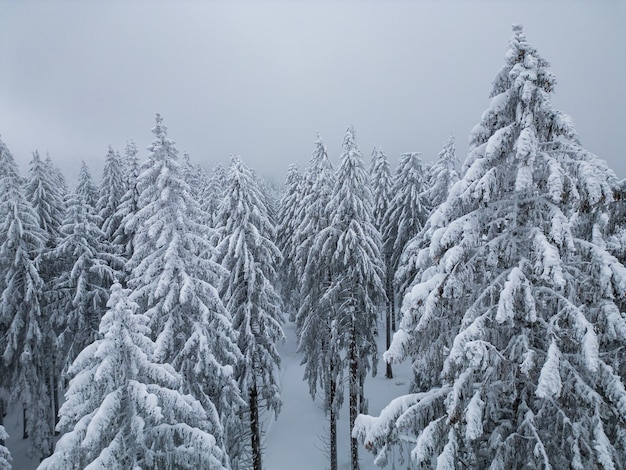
[[260, 78]]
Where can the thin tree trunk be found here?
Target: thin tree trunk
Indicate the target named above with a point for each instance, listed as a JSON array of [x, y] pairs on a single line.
[[363, 408], [390, 323], [1, 418], [25, 432], [354, 393], [255, 428], [332, 418]]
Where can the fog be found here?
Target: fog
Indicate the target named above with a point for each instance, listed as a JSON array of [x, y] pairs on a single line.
[[259, 79]]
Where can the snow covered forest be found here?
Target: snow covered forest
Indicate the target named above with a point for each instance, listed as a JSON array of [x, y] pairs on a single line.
[[142, 316]]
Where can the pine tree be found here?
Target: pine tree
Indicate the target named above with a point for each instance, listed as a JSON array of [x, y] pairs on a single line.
[[45, 196], [81, 290], [124, 410], [174, 279], [287, 225], [515, 322], [316, 342], [112, 189], [44, 192], [382, 185], [86, 188], [443, 174], [404, 219], [57, 177], [357, 271], [5, 455], [129, 204], [248, 253], [194, 176], [213, 194], [22, 344]]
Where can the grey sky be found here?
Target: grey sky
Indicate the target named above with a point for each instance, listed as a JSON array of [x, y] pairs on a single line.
[[260, 78]]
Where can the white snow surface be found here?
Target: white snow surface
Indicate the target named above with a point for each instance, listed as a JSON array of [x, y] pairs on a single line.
[[298, 438]]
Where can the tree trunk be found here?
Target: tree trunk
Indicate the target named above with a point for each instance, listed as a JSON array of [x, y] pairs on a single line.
[[1, 418], [255, 428], [363, 408], [333, 418], [390, 323], [354, 393], [25, 432]]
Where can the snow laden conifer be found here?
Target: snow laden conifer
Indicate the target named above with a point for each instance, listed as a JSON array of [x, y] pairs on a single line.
[[247, 251], [213, 193], [112, 189], [86, 188], [320, 354], [25, 332], [129, 203], [285, 235], [81, 290], [357, 273], [443, 174], [516, 320], [441, 177], [382, 185], [174, 279], [45, 193], [123, 409], [403, 220], [45, 196], [5, 455]]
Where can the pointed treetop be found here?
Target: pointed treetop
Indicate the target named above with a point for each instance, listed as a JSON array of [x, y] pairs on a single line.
[[161, 147]]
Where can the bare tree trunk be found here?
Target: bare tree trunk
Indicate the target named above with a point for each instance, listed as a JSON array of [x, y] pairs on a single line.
[[255, 428], [390, 323], [332, 418], [25, 432], [363, 408], [1, 418], [354, 393]]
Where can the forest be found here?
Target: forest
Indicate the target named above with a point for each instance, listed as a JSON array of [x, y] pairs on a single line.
[[140, 316]]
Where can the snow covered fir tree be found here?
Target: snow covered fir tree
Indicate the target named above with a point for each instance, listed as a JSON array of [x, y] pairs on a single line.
[[166, 315], [515, 323]]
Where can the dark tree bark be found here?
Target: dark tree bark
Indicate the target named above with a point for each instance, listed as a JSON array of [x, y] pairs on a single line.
[[390, 321], [255, 428], [353, 354], [332, 418]]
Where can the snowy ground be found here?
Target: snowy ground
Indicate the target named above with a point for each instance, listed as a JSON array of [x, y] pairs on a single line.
[[298, 439]]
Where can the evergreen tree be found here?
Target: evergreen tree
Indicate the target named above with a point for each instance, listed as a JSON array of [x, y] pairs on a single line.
[[352, 244], [5, 455], [287, 225], [45, 196], [112, 189], [382, 185], [81, 290], [443, 175], [249, 255], [316, 342], [57, 176], [44, 193], [404, 218], [86, 189], [22, 344], [129, 204], [194, 176], [124, 410], [516, 321], [174, 279], [213, 193]]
